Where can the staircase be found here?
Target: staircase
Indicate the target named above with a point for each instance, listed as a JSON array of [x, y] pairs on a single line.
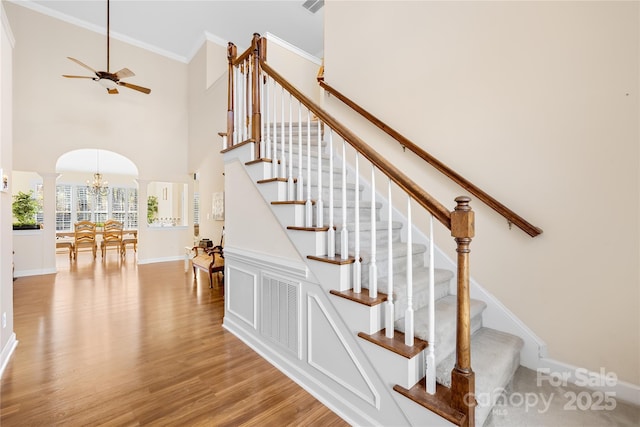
[[365, 320], [495, 354]]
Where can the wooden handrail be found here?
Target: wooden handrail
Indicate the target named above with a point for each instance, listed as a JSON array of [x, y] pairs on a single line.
[[423, 198], [511, 216]]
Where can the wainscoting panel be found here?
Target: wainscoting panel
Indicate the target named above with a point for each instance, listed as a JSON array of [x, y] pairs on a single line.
[[280, 313], [329, 352], [241, 297]]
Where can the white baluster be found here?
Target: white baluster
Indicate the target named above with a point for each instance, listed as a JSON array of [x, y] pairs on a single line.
[[373, 267], [236, 107], [249, 104], [319, 202], [245, 107], [357, 266], [331, 236], [264, 123], [290, 188], [389, 308], [274, 160], [283, 163], [308, 207], [431, 358], [300, 183], [408, 317], [344, 233]]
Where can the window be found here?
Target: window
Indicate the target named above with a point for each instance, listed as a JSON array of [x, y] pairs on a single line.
[[74, 203]]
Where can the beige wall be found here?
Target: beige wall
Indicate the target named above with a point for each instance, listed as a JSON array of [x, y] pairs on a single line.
[[207, 117], [6, 244], [537, 103], [54, 115]]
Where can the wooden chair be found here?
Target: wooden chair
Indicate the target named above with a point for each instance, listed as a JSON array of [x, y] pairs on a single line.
[[129, 241], [85, 235], [112, 236], [210, 260]]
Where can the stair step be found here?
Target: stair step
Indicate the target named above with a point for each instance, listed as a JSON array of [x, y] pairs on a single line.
[[442, 279], [396, 343], [361, 298], [439, 403], [445, 328], [495, 356], [399, 259]]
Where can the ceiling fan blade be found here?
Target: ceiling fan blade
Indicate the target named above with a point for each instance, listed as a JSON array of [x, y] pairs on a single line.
[[135, 87], [124, 73], [78, 77], [83, 65], [112, 91]]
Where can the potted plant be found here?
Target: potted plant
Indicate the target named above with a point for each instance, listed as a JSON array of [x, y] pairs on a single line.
[[152, 208], [24, 208]]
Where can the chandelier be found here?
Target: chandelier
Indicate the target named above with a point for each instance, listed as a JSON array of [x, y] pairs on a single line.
[[98, 186]]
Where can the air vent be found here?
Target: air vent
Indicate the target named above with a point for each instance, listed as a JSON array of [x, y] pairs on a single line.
[[280, 313], [313, 5]]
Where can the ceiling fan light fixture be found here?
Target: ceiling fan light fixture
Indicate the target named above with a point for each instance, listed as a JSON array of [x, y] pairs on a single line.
[[108, 84]]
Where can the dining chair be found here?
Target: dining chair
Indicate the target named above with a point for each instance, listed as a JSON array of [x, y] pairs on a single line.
[[112, 236], [85, 236]]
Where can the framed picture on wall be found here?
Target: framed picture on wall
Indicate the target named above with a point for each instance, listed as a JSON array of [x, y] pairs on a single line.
[[4, 186], [217, 206]]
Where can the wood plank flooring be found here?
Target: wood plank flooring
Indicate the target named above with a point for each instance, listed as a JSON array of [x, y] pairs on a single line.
[[113, 343]]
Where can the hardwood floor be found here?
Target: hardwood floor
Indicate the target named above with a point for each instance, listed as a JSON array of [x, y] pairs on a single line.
[[114, 343]]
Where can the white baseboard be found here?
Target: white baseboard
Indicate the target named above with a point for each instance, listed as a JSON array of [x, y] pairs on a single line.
[[7, 351], [34, 272], [604, 381], [163, 259]]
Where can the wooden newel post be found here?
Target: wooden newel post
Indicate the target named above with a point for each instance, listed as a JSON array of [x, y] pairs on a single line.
[[256, 128], [232, 53], [462, 376]]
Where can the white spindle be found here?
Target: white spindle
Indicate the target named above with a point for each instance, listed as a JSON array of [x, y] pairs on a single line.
[[357, 266], [248, 104], [408, 317], [344, 233], [265, 118], [274, 159], [308, 207], [373, 267], [319, 202], [236, 107], [283, 162], [300, 183], [290, 187], [389, 308], [431, 358], [331, 234], [243, 119]]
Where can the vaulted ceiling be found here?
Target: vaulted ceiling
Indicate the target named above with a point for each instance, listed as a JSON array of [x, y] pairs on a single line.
[[176, 28]]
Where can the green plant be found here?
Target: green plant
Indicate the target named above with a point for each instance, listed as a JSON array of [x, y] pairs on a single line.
[[24, 208], [152, 208]]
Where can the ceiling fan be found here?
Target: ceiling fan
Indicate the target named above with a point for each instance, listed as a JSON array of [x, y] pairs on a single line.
[[109, 80]]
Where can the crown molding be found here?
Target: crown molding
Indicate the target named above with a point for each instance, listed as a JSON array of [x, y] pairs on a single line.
[[285, 44], [97, 29]]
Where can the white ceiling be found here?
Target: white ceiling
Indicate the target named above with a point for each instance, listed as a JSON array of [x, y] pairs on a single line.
[[177, 28]]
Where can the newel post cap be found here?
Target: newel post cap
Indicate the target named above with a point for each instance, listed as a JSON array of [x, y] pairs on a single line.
[[462, 219]]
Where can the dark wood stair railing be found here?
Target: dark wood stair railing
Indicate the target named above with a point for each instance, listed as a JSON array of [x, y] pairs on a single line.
[[481, 195], [460, 222]]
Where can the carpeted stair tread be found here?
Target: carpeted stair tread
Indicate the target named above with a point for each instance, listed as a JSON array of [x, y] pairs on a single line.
[[495, 356], [445, 339], [441, 278]]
